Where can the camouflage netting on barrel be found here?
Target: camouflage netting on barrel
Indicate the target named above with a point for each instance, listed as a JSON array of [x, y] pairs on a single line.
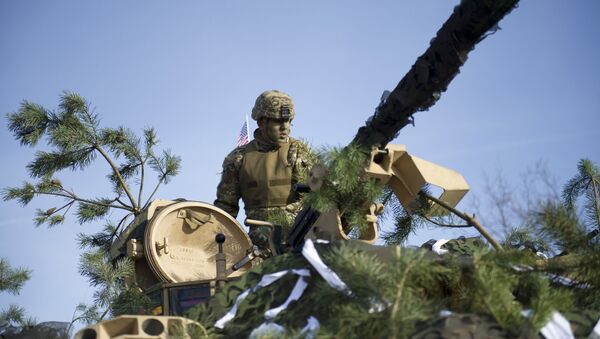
[[398, 292]]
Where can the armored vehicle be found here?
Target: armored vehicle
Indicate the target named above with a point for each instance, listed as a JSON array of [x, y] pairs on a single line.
[[184, 251]]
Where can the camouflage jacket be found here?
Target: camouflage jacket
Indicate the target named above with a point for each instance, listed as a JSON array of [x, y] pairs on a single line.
[[228, 191]]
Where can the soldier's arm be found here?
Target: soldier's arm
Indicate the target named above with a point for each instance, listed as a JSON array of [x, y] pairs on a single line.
[[228, 190], [304, 160]]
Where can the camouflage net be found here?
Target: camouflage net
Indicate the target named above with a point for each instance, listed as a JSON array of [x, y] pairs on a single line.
[[402, 292]]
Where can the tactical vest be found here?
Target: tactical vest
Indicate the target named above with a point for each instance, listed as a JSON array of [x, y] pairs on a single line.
[[266, 178]]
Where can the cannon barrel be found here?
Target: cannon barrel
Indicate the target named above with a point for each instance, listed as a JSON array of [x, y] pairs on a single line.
[[470, 22]]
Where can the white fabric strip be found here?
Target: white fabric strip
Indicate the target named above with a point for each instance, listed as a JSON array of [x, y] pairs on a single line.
[[267, 330], [377, 306], [311, 329], [437, 247], [266, 280], [310, 253], [295, 295], [445, 313], [566, 281], [522, 268], [227, 317], [557, 328], [271, 329]]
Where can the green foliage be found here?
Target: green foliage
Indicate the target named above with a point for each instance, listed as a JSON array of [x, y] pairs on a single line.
[[100, 240], [544, 300], [167, 165], [87, 212], [100, 271], [281, 218], [494, 298], [47, 217], [397, 292], [389, 298], [122, 141], [586, 183], [522, 238], [579, 257], [22, 194], [405, 222], [131, 301], [16, 315], [47, 163], [344, 186], [113, 296], [560, 226], [26, 193], [30, 123], [48, 184], [75, 138], [12, 280], [406, 291], [86, 314]]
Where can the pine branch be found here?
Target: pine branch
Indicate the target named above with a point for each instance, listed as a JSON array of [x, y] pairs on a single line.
[[104, 314], [91, 202], [150, 141], [167, 166], [121, 202], [22, 195], [596, 201], [399, 290], [103, 239], [89, 314], [134, 207], [471, 220], [90, 211], [149, 200], [46, 216], [12, 279], [122, 141], [141, 190], [29, 124], [74, 137], [585, 182], [47, 163], [119, 225], [444, 225], [560, 225], [16, 315]]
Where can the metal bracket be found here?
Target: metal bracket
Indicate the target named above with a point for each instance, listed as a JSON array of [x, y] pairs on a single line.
[[164, 246]]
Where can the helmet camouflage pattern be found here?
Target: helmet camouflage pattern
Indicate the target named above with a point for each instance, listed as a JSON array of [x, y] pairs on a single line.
[[273, 104]]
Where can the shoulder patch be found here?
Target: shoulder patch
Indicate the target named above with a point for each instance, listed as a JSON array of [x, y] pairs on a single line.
[[235, 157]]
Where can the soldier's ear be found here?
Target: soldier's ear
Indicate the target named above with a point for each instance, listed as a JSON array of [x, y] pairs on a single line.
[[261, 123]]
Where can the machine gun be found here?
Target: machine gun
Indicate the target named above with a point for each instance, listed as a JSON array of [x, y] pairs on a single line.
[[406, 175]]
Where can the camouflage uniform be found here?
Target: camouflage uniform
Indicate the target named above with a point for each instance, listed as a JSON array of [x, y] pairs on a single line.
[[299, 158]]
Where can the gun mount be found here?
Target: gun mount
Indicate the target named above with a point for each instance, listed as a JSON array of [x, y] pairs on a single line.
[[406, 175]]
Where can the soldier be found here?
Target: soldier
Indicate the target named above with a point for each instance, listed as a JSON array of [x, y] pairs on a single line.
[[263, 172]]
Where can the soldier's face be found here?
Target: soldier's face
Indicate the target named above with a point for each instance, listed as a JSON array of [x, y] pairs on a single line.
[[276, 130]]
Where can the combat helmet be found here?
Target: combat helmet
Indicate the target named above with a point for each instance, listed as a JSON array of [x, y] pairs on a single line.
[[273, 104]]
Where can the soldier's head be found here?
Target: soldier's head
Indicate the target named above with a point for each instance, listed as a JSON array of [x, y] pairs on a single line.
[[274, 111]]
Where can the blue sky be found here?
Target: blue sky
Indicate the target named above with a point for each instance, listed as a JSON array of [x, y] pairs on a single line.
[[193, 69]]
